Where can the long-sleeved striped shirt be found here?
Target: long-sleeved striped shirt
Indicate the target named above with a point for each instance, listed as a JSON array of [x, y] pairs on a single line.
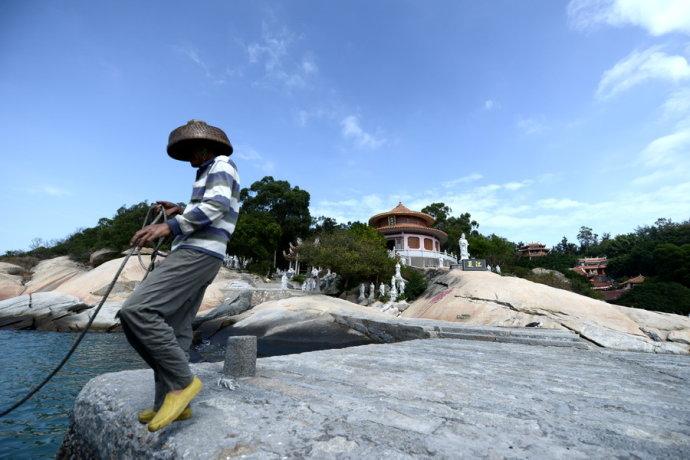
[[210, 217]]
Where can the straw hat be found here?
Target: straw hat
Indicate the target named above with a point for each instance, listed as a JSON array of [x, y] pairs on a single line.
[[196, 134]]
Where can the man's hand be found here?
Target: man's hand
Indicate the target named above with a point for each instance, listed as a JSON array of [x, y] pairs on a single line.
[[171, 209], [149, 233]]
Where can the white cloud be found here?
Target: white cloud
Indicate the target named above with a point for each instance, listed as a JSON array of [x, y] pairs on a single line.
[[641, 66], [462, 180], [490, 104], [351, 129], [193, 54], [558, 203], [667, 150], [517, 185], [658, 17], [50, 190], [250, 155], [677, 104], [275, 54], [530, 125]]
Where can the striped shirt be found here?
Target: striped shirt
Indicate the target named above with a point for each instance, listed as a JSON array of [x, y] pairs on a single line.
[[210, 217]]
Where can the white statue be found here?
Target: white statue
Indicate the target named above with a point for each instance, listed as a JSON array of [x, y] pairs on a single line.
[[362, 297], [304, 286], [290, 272], [284, 281], [397, 271], [235, 262], [403, 261], [382, 289], [464, 248], [372, 292], [440, 261], [488, 268], [393, 293], [401, 286], [314, 272], [498, 269]]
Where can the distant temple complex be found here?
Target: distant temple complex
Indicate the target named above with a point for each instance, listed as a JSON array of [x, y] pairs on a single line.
[[591, 266], [410, 235], [533, 250]]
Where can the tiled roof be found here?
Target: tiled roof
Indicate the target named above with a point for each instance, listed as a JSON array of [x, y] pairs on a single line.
[[402, 210]]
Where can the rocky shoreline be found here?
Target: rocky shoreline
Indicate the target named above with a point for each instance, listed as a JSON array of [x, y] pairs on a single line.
[[418, 398], [239, 303]]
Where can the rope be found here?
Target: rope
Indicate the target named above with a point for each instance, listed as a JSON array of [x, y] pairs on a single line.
[[76, 343]]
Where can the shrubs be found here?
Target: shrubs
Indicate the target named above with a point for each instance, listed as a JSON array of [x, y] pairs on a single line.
[[416, 283], [655, 295]]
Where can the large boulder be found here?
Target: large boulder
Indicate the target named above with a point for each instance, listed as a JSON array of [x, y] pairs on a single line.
[[90, 286], [102, 255], [49, 274], [42, 310], [485, 298], [10, 286]]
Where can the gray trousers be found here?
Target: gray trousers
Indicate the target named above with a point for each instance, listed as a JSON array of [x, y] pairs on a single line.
[[157, 317]]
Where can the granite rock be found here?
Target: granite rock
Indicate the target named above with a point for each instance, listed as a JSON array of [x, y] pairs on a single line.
[[447, 399]]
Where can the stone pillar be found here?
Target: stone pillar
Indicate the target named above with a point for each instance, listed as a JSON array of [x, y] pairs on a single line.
[[240, 356]]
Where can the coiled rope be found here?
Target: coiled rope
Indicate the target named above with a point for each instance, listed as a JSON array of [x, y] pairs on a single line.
[[160, 217]]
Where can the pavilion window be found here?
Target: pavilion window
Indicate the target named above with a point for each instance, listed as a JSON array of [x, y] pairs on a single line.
[[391, 221], [413, 242], [428, 244]]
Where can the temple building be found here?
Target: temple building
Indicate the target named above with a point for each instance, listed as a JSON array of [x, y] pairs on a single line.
[[591, 266], [533, 250], [410, 235]]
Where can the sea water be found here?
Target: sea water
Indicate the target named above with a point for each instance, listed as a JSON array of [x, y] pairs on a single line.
[[36, 429]]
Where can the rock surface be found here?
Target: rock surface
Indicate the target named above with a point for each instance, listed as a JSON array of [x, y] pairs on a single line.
[[446, 399], [51, 273], [102, 255], [42, 310], [484, 298]]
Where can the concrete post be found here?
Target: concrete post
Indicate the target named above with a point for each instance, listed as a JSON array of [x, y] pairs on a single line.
[[240, 356]]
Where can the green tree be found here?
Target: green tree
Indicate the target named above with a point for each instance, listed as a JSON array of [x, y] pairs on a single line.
[[289, 207], [658, 296], [358, 254], [587, 238], [453, 226], [495, 249], [256, 236]]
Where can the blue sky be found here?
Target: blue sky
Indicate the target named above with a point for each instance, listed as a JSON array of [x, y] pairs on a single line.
[[536, 117]]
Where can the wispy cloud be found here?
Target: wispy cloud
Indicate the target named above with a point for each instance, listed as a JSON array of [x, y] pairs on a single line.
[[275, 53], [194, 55], [462, 180], [667, 150], [656, 17], [490, 104], [529, 125], [250, 155], [641, 66], [47, 190], [351, 129], [558, 203]]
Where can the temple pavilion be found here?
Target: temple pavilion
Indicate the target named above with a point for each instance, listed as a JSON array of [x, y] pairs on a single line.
[[410, 235]]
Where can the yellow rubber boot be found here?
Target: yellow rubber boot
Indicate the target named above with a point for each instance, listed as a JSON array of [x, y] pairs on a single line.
[[146, 415], [174, 404]]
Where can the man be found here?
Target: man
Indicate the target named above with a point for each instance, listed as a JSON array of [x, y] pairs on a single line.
[[157, 317]]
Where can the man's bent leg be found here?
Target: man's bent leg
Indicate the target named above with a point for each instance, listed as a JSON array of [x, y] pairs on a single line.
[[158, 298]]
